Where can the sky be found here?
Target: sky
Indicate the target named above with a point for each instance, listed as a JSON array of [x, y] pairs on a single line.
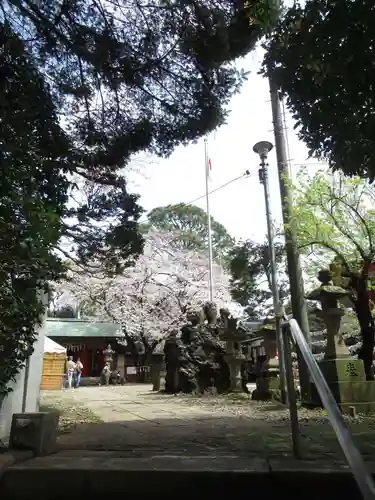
[[239, 206]]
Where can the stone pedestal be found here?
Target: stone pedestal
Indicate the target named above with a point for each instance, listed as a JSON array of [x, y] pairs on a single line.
[[347, 382], [267, 382], [345, 376], [121, 365], [155, 377], [234, 359], [156, 371], [36, 432], [343, 370], [235, 363], [267, 387]]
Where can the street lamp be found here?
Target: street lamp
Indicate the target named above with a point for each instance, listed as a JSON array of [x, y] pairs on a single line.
[[262, 149]]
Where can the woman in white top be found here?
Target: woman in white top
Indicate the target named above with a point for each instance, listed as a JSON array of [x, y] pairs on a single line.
[[70, 367]]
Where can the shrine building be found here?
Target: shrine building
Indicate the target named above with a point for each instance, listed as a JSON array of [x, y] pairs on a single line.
[[86, 340]]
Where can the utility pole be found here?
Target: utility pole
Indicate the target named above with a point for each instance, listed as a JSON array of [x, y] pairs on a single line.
[[262, 149], [297, 291]]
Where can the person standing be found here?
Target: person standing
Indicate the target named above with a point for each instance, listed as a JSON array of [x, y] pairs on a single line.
[[78, 372], [70, 368]]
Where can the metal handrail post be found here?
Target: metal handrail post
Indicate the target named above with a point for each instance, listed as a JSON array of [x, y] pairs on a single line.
[[356, 463], [291, 392]]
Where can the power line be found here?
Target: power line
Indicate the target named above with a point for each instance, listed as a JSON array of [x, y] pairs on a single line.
[[245, 174]]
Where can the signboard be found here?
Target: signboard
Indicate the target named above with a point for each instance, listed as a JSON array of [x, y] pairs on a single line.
[[131, 370]]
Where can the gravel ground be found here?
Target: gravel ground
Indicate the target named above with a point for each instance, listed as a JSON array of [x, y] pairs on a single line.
[[135, 420], [240, 405], [72, 414]]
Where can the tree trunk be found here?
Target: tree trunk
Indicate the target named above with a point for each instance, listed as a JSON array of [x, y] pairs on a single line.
[[132, 348], [366, 322], [366, 352]]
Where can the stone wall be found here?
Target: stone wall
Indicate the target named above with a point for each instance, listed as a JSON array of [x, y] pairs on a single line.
[[13, 402]]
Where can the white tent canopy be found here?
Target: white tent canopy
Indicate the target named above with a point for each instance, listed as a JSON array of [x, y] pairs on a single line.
[[52, 347]]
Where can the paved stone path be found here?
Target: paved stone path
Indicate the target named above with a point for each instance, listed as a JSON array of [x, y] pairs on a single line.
[[135, 420]]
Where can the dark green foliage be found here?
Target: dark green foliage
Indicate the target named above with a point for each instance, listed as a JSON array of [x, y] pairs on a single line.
[[132, 75], [250, 270], [103, 227], [189, 223], [33, 194], [37, 162], [120, 78], [322, 57]]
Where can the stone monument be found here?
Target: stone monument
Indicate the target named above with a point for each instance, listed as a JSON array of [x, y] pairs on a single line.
[[196, 358]]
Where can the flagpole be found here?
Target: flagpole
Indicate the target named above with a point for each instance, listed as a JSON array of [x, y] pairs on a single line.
[[210, 267]]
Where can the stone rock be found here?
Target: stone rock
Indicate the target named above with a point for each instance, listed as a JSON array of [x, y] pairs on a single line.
[[196, 360]]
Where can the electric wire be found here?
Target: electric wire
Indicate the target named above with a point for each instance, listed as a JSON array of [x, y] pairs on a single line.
[[242, 176], [247, 173]]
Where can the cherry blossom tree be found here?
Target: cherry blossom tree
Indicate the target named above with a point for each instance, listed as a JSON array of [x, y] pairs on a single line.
[[151, 298]]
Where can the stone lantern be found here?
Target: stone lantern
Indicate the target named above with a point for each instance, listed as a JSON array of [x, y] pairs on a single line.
[[331, 313], [232, 336], [338, 368], [267, 380], [158, 367], [108, 354]]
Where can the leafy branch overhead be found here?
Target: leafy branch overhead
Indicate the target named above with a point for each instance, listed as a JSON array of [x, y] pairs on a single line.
[[335, 224], [321, 56], [334, 218], [129, 76], [126, 76]]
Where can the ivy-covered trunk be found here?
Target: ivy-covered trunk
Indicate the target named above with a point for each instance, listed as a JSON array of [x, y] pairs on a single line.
[[366, 321]]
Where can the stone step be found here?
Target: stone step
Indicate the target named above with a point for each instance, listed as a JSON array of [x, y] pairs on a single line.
[[103, 475]]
